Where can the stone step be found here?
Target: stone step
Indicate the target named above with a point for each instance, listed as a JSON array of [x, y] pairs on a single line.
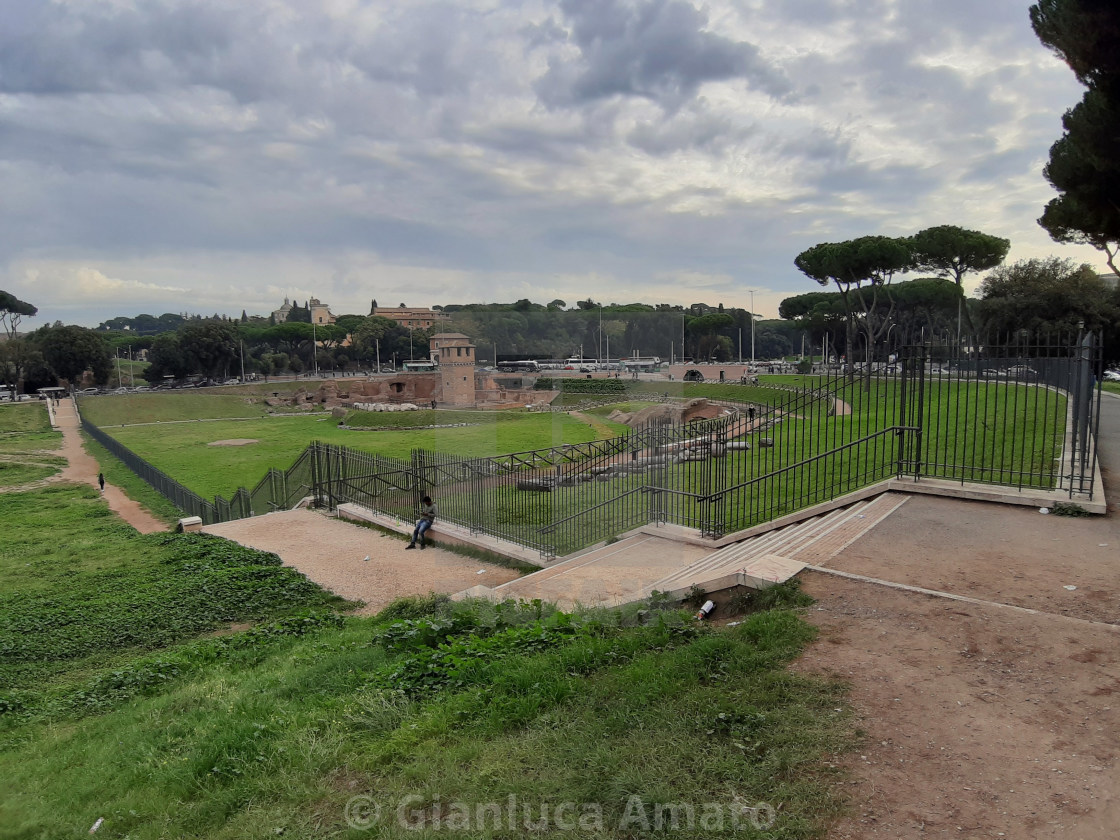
[[779, 542], [811, 542]]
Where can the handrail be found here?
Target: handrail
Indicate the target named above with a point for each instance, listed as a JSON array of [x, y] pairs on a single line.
[[548, 529], [849, 445]]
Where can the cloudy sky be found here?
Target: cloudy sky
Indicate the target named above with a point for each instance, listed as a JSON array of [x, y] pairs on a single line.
[[213, 156]]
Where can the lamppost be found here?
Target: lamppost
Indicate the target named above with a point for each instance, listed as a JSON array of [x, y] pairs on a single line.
[[752, 326], [314, 351], [599, 352]]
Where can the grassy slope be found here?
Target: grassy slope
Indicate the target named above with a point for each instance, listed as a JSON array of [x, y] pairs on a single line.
[[96, 587], [279, 739]]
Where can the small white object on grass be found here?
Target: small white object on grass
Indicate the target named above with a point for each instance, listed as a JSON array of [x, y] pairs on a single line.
[[97, 825]]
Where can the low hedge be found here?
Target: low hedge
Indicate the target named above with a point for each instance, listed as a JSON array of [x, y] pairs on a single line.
[[570, 385]]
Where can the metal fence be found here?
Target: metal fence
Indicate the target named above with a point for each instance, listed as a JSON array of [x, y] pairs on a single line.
[[1024, 419]]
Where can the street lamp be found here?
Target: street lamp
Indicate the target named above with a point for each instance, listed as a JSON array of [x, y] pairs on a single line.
[[314, 351], [752, 326]]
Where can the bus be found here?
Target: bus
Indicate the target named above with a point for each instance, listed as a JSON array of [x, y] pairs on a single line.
[[420, 366], [523, 366], [581, 364]]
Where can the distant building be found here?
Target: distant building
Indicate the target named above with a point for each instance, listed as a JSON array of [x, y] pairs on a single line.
[[320, 312], [1110, 280], [281, 315], [413, 317]]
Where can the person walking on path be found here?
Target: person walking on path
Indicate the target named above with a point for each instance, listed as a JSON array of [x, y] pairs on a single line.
[[427, 517], [101, 481]]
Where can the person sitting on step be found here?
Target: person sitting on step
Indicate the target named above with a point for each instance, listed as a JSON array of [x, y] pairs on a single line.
[[427, 517]]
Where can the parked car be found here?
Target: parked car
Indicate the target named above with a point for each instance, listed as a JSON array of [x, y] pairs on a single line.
[[1022, 371], [1112, 376]]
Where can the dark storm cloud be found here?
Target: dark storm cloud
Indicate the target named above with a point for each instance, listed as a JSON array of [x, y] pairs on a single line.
[[659, 50]]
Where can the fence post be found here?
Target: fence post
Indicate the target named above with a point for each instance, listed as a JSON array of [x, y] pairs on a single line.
[[1082, 392], [316, 485]]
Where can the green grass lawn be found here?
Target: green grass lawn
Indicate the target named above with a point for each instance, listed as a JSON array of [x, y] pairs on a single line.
[[27, 444], [15, 474], [23, 418], [184, 450], [128, 409]]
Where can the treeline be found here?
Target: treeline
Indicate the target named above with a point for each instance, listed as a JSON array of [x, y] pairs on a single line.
[[595, 330], [1029, 302]]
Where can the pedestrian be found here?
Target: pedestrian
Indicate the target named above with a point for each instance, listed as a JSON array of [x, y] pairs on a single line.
[[101, 481], [750, 413], [427, 517]]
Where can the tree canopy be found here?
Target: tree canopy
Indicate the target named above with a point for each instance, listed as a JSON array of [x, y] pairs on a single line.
[[951, 252], [1084, 34], [1084, 166], [1046, 295], [71, 351], [861, 269], [12, 311]]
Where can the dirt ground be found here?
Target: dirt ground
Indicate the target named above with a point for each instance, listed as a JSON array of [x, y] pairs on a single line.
[[980, 720], [332, 553]]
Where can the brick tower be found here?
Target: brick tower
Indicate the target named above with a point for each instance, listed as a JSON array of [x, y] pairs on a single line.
[[455, 355]]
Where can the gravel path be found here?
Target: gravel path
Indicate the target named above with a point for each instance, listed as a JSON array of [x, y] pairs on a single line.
[[331, 553]]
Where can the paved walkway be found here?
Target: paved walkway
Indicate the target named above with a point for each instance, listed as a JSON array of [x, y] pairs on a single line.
[[991, 714]]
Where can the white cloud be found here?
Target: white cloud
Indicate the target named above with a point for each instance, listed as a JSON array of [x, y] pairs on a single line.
[[205, 156]]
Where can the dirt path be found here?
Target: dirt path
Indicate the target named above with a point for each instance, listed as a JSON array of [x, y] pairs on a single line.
[[83, 469], [981, 721], [332, 553]]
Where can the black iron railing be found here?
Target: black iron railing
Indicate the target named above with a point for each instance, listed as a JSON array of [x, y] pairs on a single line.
[[1009, 415]]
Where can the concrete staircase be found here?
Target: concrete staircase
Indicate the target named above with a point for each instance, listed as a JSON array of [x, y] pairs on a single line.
[[812, 542], [608, 575], [632, 568]]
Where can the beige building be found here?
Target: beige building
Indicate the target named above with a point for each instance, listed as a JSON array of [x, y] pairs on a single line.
[[413, 317], [320, 312]]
